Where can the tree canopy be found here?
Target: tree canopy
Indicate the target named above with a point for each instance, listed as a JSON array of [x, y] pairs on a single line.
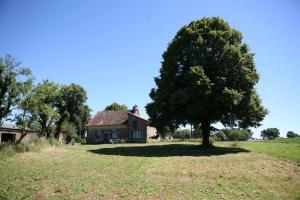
[[116, 106], [15, 82], [208, 75]]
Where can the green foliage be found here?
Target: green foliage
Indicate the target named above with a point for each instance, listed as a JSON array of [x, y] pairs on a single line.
[[44, 107], [116, 106], [233, 134], [270, 133], [239, 135], [41, 106], [291, 134], [72, 108], [14, 83], [182, 134], [208, 75], [70, 129], [48, 105], [82, 140], [220, 136], [165, 132]]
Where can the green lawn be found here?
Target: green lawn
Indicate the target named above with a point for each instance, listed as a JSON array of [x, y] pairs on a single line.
[[288, 149], [154, 171]]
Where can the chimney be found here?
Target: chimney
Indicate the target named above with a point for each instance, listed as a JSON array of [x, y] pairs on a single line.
[[135, 110]]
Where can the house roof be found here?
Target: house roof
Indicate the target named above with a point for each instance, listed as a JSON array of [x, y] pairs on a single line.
[[111, 118], [108, 118]]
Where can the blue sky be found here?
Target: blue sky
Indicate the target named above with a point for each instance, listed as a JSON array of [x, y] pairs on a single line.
[[113, 48]]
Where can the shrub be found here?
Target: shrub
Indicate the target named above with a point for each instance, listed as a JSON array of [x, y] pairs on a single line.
[[233, 134], [72, 142], [53, 142], [220, 136], [82, 140], [182, 134], [8, 150]]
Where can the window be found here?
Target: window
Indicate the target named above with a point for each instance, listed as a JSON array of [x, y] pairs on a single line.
[[98, 135], [137, 134], [115, 135]]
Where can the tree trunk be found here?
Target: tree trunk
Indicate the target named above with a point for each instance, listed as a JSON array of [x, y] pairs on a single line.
[[58, 129], [23, 134], [205, 133], [48, 134]]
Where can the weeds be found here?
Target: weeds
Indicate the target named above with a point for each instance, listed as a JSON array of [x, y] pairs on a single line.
[[8, 150]]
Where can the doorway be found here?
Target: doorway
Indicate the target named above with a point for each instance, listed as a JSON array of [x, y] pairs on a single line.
[[8, 137]]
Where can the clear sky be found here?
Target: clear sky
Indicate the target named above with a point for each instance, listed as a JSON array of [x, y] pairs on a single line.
[[113, 48]]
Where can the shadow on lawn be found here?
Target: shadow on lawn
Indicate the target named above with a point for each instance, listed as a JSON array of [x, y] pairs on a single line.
[[167, 150]]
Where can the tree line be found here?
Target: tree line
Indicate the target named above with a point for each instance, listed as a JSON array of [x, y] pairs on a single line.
[[47, 107]]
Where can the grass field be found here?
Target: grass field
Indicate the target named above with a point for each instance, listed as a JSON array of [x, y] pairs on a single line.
[[250, 170]]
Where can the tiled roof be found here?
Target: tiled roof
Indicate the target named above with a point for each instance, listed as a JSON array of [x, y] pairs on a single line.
[[109, 118]]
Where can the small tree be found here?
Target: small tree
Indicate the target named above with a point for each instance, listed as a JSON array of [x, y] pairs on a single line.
[[270, 133], [116, 106]]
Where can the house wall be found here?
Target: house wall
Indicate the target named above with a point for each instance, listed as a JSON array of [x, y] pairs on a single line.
[[102, 134], [151, 132], [136, 125]]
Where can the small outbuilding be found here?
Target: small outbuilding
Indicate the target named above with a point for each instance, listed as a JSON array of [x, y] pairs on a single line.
[[12, 134]]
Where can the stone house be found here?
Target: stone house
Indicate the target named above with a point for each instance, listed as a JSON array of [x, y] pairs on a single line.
[[119, 127]]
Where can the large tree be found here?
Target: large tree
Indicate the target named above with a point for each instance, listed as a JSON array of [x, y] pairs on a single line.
[[14, 82], [208, 75]]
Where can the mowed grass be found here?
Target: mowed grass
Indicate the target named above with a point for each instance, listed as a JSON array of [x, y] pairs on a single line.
[[151, 171]]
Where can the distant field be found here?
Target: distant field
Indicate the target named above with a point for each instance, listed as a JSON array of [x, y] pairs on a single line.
[[284, 148], [155, 171]]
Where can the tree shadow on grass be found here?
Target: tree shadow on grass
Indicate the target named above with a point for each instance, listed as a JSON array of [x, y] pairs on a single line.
[[167, 150]]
